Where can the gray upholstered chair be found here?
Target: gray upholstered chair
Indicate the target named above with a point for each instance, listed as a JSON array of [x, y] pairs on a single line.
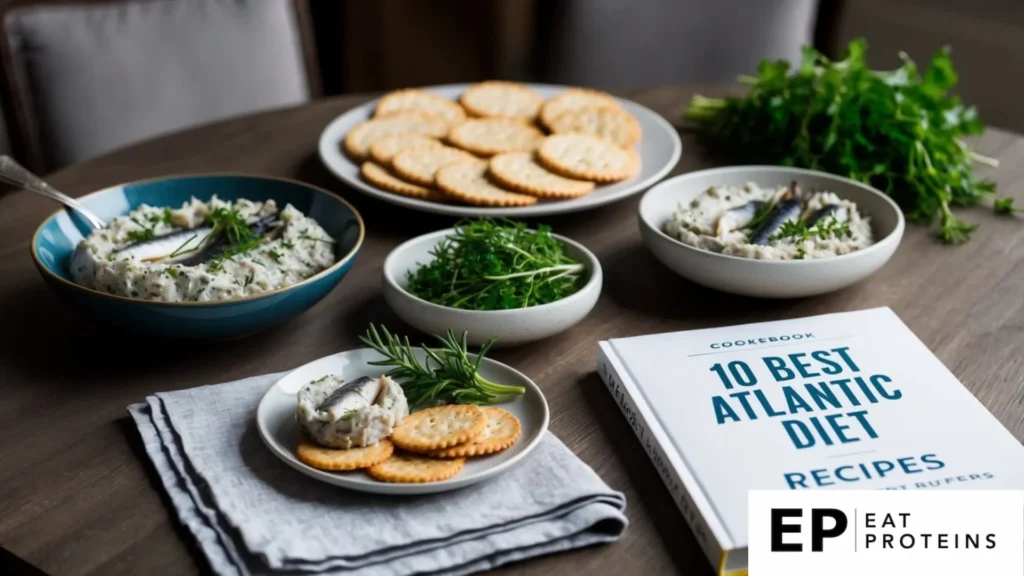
[[644, 43], [81, 79]]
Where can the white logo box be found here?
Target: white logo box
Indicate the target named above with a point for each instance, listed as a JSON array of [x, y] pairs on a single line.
[[934, 532]]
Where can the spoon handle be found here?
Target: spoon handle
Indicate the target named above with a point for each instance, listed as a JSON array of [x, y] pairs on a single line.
[[14, 173]]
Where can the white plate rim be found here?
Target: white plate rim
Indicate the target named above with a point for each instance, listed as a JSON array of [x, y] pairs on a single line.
[[455, 483], [333, 159]]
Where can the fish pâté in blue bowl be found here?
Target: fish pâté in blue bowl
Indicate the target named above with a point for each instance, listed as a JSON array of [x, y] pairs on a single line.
[[208, 256]]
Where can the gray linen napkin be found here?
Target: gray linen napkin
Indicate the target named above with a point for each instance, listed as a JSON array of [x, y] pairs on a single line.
[[252, 514]]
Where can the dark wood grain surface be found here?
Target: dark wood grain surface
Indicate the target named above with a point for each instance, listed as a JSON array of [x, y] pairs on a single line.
[[77, 498]]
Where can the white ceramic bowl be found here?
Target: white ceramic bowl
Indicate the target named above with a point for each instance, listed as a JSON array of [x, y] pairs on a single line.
[[510, 326], [768, 278]]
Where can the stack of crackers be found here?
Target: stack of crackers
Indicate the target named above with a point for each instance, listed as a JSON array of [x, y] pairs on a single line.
[[426, 446], [500, 144]]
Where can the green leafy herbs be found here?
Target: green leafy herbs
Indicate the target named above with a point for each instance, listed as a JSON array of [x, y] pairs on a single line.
[[446, 376], [147, 232], [497, 265], [900, 131], [798, 230], [229, 225]]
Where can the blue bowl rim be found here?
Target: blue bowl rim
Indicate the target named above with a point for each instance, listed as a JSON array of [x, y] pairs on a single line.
[[341, 261]]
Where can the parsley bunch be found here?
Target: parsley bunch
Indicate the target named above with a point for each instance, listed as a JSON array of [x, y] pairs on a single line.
[[900, 131], [497, 265]]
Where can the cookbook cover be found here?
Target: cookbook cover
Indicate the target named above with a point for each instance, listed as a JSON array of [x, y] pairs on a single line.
[[840, 401]]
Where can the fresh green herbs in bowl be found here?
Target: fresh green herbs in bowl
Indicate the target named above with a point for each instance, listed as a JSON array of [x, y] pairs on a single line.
[[900, 131], [497, 265], [491, 277]]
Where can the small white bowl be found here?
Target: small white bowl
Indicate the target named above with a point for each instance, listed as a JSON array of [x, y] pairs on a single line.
[[768, 278], [510, 326]]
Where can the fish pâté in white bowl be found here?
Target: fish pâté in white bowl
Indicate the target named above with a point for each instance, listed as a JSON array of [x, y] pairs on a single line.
[[770, 231]]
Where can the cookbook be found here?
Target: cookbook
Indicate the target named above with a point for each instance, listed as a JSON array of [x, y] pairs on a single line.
[[840, 401]]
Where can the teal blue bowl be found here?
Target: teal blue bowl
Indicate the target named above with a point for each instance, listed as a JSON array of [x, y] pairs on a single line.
[[55, 240]]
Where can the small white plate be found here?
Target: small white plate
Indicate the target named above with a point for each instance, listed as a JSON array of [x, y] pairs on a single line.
[[275, 419], [659, 149]]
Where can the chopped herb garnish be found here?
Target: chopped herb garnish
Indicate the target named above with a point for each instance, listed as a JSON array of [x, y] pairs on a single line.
[[287, 244], [797, 230], [349, 414], [146, 233], [231, 226], [167, 216], [172, 272], [181, 250], [304, 235], [762, 215], [248, 279], [274, 255]]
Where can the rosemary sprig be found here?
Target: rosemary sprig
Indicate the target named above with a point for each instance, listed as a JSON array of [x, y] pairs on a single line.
[[447, 376]]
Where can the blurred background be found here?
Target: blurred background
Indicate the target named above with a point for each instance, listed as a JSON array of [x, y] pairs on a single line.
[[81, 78]]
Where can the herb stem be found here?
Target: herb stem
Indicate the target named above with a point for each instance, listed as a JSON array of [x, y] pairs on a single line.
[[549, 269], [499, 389], [982, 159]]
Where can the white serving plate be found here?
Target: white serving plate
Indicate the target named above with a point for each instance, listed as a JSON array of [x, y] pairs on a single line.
[[768, 278], [275, 419], [659, 149], [512, 327]]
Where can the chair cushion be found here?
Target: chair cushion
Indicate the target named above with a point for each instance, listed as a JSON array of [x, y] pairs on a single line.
[[101, 76], [616, 44]]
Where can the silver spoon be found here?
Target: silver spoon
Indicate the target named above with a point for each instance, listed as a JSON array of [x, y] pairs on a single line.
[[14, 173]]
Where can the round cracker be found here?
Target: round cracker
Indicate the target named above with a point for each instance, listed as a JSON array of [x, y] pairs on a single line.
[[415, 99], [421, 165], [439, 427], [335, 459], [381, 177], [467, 181], [358, 140], [501, 431], [497, 99], [490, 136], [411, 468], [384, 149], [611, 123], [587, 157], [571, 100], [521, 172]]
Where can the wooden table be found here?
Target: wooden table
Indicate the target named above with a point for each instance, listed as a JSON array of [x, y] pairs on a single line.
[[76, 496]]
